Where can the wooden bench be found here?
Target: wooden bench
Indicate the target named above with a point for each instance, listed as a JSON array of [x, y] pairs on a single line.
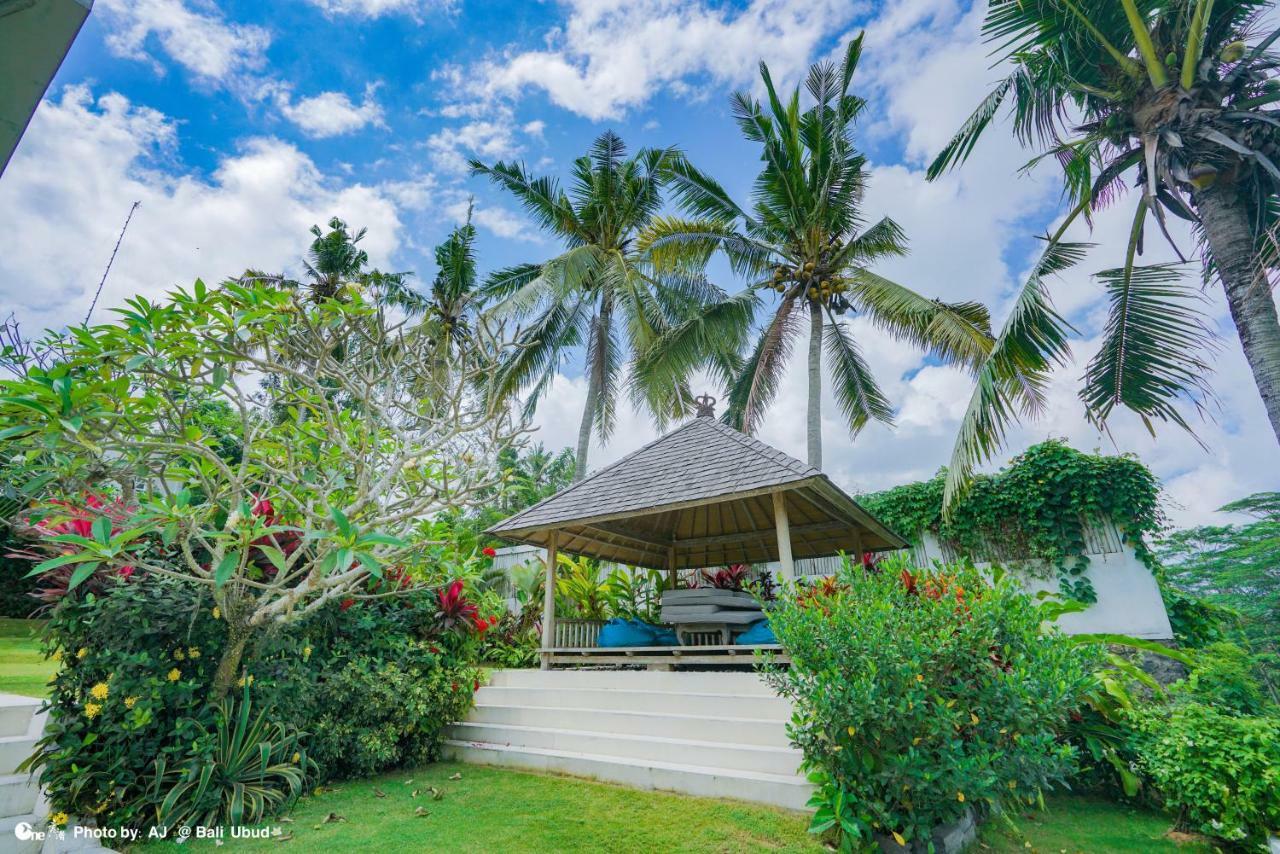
[[577, 644]]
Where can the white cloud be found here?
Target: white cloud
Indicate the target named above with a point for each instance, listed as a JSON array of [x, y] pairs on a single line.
[[331, 113], [614, 54], [199, 39], [498, 220], [416, 9], [488, 139], [83, 162]]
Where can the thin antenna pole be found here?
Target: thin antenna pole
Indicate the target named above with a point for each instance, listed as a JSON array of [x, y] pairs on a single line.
[[110, 261]]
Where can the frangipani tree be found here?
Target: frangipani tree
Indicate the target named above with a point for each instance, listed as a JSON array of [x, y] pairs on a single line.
[[806, 238], [1174, 96], [337, 466]]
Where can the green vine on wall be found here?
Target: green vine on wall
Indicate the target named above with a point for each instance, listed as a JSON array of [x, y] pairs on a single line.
[[1037, 509]]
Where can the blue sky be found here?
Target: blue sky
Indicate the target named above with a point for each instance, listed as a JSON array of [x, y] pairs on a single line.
[[240, 124]]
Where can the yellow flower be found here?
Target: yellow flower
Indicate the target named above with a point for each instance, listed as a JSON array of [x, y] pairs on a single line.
[[179, 655], [82, 652], [130, 702], [306, 653], [899, 838], [174, 675], [57, 655], [193, 652], [217, 612], [960, 797], [59, 818], [919, 677], [297, 757], [100, 691], [245, 680], [91, 710]]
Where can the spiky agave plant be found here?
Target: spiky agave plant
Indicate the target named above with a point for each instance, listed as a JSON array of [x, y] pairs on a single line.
[[1173, 95], [806, 239]]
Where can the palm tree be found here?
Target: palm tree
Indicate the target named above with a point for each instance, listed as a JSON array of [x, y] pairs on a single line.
[[806, 239], [601, 290], [454, 295], [334, 260], [1168, 93]]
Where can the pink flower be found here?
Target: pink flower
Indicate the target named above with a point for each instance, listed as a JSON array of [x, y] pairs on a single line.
[[126, 571]]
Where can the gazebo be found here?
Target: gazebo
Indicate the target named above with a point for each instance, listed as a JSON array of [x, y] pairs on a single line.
[[703, 495]]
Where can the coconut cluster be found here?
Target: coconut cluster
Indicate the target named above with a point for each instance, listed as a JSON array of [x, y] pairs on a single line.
[[813, 281]]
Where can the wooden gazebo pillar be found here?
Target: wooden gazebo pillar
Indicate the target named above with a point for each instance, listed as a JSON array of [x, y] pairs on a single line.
[[786, 566], [549, 602]]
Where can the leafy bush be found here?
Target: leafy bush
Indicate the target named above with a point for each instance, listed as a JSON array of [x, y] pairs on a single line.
[[364, 685], [1218, 772], [1224, 678], [512, 642], [919, 694]]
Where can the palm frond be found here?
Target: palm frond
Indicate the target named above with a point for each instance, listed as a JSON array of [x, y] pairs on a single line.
[[857, 393], [757, 382], [957, 151], [1151, 353], [1011, 381], [955, 332]]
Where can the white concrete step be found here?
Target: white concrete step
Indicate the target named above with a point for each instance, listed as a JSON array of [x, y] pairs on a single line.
[[763, 732], [718, 682], [14, 749], [16, 713], [789, 791], [18, 794], [640, 700], [9, 841], [660, 748]]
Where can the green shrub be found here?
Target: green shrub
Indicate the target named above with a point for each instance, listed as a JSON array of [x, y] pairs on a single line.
[[1224, 678], [919, 694], [364, 685], [512, 642], [1218, 772]]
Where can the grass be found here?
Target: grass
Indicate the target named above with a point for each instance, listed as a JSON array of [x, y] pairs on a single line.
[[1082, 824], [23, 668], [492, 809]]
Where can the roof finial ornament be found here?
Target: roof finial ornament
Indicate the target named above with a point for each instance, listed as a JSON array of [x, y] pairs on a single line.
[[706, 406]]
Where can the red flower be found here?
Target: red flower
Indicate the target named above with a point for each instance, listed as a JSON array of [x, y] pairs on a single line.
[[476, 686], [346, 603], [489, 551], [126, 571]]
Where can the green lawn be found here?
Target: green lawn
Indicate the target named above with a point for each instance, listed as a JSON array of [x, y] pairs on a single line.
[[490, 809], [1082, 824], [23, 669]]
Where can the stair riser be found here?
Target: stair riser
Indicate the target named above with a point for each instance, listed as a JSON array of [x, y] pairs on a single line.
[[13, 752], [18, 798], [762, 733], [9, 842], [16, 719], [766, 761], [791, 795], [640, 680], [625, 700]]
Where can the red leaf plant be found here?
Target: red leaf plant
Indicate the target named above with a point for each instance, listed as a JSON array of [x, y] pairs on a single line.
[[77, 520], [729, 578], [455, 612]]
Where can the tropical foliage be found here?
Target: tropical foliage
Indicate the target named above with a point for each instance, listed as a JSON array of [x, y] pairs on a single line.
[[807, 238], [1170, 94], [920, 695], [1036, 509], [319, 503], [604, 294], [1237, 565]]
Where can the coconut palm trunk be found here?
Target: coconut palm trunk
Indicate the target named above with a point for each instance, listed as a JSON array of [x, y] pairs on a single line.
[[815, 384], [584, 428], [1226, 226]]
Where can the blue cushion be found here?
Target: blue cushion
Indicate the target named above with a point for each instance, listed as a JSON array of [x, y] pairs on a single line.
[[620, 632], [664, 637], [758, 633]]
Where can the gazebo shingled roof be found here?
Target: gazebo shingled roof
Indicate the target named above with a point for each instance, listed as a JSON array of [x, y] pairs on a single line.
[[703, 495]]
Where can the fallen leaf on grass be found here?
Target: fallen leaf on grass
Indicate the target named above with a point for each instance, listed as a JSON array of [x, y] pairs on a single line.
[[457, 776], [285, 838], [409, 782], [422, 812], [378, 793], [415, 793], [333, 818], [436, 794]]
